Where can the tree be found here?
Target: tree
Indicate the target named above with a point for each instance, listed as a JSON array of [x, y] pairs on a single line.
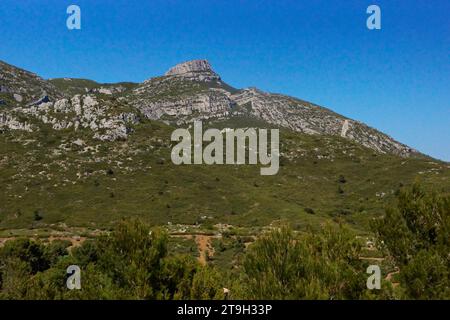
[[207, 284], [416, 232], [132, 257], [14, 278], [323, 265], [31, 252]]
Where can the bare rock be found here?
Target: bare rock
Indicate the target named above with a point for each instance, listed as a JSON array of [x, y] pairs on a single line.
[[18, 97], [196, 70]]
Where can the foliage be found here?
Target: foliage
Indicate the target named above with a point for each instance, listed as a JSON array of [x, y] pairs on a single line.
[[129, 263], [323, 265], [133, 261], [417, 234]]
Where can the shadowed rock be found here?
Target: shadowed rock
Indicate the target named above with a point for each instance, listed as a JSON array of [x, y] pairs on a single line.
[[43, 99]]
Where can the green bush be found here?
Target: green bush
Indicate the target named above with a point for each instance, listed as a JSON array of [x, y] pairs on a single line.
[[324, 265], [416, 232]]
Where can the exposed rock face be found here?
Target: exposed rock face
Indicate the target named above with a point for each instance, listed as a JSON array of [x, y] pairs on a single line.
[[196, 70], [80, 112], [199, 107], [109, 91], [308, 118], [201, 100], [190, 66], [344, 129], [11, 123]]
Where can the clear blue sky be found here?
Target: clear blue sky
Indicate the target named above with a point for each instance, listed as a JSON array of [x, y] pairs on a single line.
[[396, 79]]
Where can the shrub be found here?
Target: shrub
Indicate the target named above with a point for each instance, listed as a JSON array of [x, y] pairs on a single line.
[[324, 265], [342, 179], [416, 232]]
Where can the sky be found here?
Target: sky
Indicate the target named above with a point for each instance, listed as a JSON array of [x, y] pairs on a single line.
[[396, 79]]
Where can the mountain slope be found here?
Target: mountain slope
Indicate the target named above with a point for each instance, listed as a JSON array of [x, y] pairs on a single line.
[[192, 90], [20, 87], [79, 180], [93, 153]]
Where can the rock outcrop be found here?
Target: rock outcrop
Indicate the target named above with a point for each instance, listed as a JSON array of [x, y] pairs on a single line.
[[195, 70], [10, 122], [80, 112]]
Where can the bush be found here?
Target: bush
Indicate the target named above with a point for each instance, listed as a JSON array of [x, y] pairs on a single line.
[[416, 232], [31, 252], [37, 216], [206, 284], [324, 265]]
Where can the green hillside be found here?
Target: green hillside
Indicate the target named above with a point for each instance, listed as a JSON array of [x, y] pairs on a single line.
[[46, 174]]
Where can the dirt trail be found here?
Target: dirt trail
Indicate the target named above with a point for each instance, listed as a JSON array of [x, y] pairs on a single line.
[[205, 248], [3, 241], [75, 241], [372, 259], [390, 275], [204, 245]]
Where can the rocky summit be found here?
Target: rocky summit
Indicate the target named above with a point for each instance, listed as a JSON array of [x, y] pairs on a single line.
[[195, 69]]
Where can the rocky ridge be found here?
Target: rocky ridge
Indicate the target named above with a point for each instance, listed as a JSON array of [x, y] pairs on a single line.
[[189, 91]]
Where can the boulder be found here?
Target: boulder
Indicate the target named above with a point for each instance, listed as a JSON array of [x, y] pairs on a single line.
[[18, 97]]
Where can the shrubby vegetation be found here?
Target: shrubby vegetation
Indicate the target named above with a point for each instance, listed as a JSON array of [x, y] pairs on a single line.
[[417, 235], [324, 265], [130, 263], [133, 262]]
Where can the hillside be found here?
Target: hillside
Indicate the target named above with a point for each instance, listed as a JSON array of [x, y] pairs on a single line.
[[89, 154]]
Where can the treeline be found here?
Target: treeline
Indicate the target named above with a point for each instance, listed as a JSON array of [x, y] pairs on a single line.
[[133, 262]]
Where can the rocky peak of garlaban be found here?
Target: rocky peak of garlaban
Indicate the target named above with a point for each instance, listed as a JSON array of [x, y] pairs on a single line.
[[200, 69]]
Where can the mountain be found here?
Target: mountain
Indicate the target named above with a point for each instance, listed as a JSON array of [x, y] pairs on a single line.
[[81, 153], [192, 90], [188, 91]]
